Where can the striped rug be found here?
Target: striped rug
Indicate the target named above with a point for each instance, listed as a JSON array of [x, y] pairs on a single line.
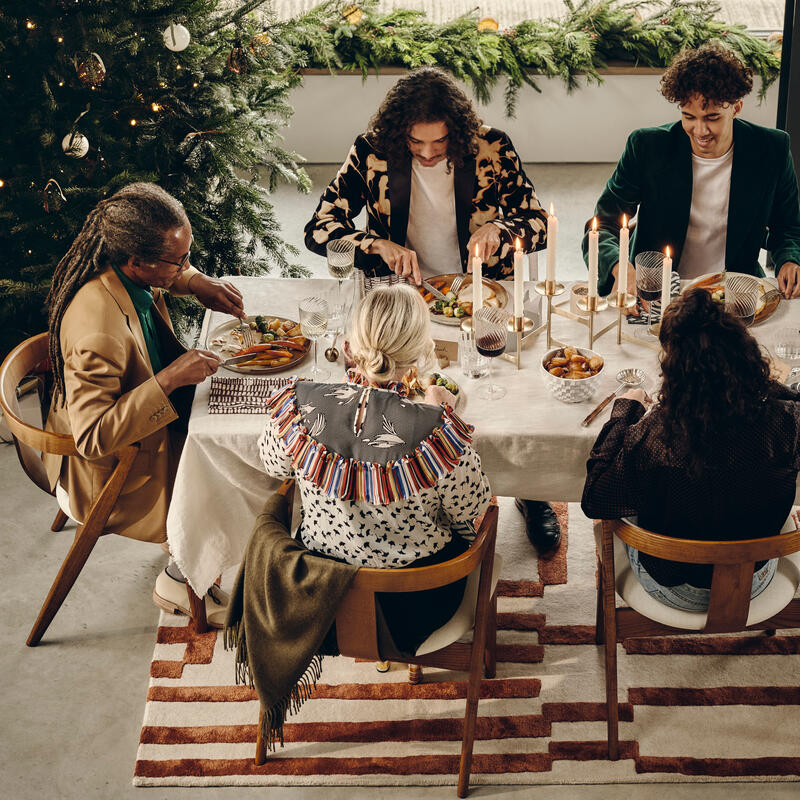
[[695, 709]]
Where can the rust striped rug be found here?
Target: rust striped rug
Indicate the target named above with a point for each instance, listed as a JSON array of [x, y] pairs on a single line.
[[696, 709]]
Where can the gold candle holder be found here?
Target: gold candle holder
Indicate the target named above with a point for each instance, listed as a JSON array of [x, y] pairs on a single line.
[[523, 329], [550, 289], [621, 302], [593, 305]]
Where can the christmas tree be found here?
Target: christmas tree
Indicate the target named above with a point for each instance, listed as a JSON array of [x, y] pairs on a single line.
[[190, 94]]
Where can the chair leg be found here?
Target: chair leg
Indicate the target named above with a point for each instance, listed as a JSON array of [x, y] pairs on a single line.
[[197, 605], [599, 626], [490, 650], [83, 545], [60, 521], [261, 747], [612, 705]]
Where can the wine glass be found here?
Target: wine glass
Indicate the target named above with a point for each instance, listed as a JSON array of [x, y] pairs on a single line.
[[741, 296], [491, 332], [341, 255], [313, 323], [649, 265]]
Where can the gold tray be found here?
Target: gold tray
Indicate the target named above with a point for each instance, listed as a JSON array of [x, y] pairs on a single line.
[[497, 288], [763, 310], [224, 331]]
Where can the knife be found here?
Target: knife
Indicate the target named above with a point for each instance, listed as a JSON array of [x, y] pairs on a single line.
[[229, 362], [435, 292]]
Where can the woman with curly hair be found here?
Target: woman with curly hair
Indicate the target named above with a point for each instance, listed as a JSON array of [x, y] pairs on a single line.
[[438, 186], [716, 459], [712, 187]]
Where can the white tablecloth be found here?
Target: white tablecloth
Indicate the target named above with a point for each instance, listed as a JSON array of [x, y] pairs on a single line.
[[531, 445]]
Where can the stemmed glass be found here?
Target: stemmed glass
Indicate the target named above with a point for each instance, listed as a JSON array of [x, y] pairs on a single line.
[[741, 296], [491, 332], [313, 324], [337, 320], [649, 265], [341, 255]]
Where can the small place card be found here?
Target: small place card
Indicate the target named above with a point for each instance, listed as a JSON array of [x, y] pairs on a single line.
[[445, 351]]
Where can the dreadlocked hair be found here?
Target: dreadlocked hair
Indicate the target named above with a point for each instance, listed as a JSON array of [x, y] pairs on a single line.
[[131, 223]]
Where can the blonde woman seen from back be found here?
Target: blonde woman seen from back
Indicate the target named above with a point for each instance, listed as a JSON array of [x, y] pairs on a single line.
[[362, 453]]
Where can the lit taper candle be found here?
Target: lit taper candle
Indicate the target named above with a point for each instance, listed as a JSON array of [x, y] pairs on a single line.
[[518, 285], [477, 282], [552, 237], [666, 280], [622, 267], [594, 247]]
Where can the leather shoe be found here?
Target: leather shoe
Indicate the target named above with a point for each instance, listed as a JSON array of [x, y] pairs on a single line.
[[172, 596], [541, 525]]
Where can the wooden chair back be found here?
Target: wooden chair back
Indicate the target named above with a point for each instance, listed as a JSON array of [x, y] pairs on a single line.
[[29, 440], [733, 562]]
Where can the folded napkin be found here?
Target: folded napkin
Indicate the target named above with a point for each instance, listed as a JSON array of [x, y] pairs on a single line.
[[655, 306], [242, 395]]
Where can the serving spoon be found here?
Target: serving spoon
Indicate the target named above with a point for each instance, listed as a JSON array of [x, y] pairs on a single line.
[[627, 379]]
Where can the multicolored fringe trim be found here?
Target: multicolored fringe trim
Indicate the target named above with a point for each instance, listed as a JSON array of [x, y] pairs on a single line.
[[349, 479]]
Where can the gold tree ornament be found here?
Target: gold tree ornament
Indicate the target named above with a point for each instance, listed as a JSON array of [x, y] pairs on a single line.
[[75, 145], [488, 24], [352, 14], [176, 37], [237, 59], [91, 69], [260, 45]]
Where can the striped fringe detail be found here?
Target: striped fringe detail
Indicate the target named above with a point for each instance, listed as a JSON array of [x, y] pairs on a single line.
[[348, 479], [273, 718]]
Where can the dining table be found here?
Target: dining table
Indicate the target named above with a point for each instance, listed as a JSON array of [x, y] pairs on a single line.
[[531, 444]]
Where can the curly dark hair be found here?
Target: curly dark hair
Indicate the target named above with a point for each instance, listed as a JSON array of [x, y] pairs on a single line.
[[427, 94], [712, 71], [715, 376]]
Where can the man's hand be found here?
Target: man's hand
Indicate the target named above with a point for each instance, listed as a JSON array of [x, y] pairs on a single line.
[[217, 295], [487, 240], [436, 395], [193, 367], [400, 260], [634, 311], [789, 279]]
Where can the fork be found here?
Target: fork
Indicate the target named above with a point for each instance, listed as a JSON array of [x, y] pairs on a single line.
[[456, 284], [249, 336]]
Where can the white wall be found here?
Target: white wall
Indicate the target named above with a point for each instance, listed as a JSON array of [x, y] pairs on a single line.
[[589, 125]]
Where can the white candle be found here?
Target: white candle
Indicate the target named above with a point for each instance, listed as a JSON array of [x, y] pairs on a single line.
[[518, 287], [477, 282], [552, 236], [594, 246], [622, 268], [666, 280]]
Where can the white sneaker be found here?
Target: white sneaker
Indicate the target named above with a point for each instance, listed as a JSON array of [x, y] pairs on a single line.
[[172, 596]]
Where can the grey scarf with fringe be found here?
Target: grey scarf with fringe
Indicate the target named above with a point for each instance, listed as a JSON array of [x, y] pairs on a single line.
[[283, 603]]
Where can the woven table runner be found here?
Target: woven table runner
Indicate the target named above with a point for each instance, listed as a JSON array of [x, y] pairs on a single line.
[[242, 395]]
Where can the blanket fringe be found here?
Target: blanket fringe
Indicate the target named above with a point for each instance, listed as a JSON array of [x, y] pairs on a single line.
[[349, 479]]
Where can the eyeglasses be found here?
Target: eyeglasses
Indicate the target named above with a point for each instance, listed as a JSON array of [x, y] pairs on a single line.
[[183, 261]]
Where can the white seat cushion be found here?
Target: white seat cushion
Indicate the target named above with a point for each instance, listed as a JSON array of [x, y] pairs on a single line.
[[463, 621], [63, 501], [774, 598]]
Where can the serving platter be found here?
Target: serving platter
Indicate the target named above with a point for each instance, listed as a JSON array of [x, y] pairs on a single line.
[[491, 289], [226, 340], [714, 281]]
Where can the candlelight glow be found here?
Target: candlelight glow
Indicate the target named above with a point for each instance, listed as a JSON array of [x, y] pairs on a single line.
[[552, 210], [594, 224], [624, 221], [476, 251], [516, 243], [666, 251]]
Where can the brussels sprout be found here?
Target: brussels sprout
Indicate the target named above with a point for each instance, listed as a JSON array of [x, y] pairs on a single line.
[[448, 311], [268, 336], [452, 388], [438, 306], [252, 326], [459, 312], [451, 295], [261, 324], [440, 381]]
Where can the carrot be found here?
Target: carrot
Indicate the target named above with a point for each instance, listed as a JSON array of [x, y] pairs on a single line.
[[288, 344]]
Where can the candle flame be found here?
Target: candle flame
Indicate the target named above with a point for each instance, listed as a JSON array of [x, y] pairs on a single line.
[[666, 251], [624, 221], [476, 251], [516, 243], [552, 210], [594, 224]]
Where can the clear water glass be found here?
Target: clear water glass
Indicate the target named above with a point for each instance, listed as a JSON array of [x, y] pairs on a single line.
[[490, 326], [649, 265], [473, 364], [314, 315], [341, 254], [742, 293]]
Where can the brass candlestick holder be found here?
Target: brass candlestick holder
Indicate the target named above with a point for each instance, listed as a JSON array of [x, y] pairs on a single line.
[[621, 302], [550, 289], [524, 331]]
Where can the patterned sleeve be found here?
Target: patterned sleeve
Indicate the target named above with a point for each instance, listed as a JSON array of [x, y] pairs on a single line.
[[464, 493], [341, 203], [274, 458], [523, 216]]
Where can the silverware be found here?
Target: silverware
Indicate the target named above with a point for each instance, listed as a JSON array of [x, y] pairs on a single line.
[[628, 378], [249, 336], [434, 291], [233, 360], [456, 285], [331, 353]]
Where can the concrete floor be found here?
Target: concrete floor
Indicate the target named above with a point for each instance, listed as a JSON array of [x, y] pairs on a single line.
[[72, 707]]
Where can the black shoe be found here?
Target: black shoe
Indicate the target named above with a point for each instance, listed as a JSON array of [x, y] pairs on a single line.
[[541, 524]]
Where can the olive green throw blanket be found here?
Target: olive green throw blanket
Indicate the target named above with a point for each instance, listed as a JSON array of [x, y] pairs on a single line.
[[282, 605]]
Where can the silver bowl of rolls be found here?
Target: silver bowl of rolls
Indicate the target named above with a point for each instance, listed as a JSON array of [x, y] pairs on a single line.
[[571, 373]]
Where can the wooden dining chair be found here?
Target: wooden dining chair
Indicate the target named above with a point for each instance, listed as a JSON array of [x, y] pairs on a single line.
[[730, 609], [357, 628], [30, 440]]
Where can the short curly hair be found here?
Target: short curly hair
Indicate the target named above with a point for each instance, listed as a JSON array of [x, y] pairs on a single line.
[[426, 94], [712, 71]]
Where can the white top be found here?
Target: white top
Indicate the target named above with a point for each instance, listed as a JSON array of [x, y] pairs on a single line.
[[704, 248], [432, 219]]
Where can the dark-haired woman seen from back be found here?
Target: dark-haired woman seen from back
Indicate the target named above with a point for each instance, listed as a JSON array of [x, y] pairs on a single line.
[[716, 458]]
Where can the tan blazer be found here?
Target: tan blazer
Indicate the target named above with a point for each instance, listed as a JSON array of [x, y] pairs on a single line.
[[113, 399]]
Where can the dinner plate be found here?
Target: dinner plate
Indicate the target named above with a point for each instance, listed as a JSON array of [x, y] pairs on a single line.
[[417, 393], [716, 279], [446, 281], [225, 341]]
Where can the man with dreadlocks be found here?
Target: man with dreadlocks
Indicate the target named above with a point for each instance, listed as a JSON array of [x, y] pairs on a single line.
[[121, 375]]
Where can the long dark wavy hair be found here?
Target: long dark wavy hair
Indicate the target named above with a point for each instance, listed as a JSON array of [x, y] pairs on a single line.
[[427, 94], [132, 222], [715, 376]]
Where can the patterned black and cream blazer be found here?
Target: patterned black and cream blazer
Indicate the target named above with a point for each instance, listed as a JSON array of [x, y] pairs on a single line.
[[490, 187]]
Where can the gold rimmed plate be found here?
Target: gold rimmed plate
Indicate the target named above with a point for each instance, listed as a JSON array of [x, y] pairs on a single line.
[[767, 303], [492, 291]]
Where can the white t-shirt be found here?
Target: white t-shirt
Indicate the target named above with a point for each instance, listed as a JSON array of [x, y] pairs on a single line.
[[704, 248], [432, 230]]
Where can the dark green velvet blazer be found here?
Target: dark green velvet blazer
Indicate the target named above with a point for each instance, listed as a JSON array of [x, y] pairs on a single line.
[[654, 176]]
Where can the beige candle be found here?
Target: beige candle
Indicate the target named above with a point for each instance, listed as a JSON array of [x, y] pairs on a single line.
[[477, 282], [622, 268], [594, 247], [552, 236], [518, 287], [666, 279]]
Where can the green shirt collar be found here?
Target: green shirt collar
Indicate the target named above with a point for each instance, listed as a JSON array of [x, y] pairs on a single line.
[[141, 296]]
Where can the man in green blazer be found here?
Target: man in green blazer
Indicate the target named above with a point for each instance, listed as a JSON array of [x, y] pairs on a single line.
[[713, 188]]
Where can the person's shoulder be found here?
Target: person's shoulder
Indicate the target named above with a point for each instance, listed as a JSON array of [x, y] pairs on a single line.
[[755, 135], [363, 143], [655, 135]]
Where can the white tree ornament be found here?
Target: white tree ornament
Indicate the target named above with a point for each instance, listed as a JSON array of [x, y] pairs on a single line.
[[75, 145], [176, 37]]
